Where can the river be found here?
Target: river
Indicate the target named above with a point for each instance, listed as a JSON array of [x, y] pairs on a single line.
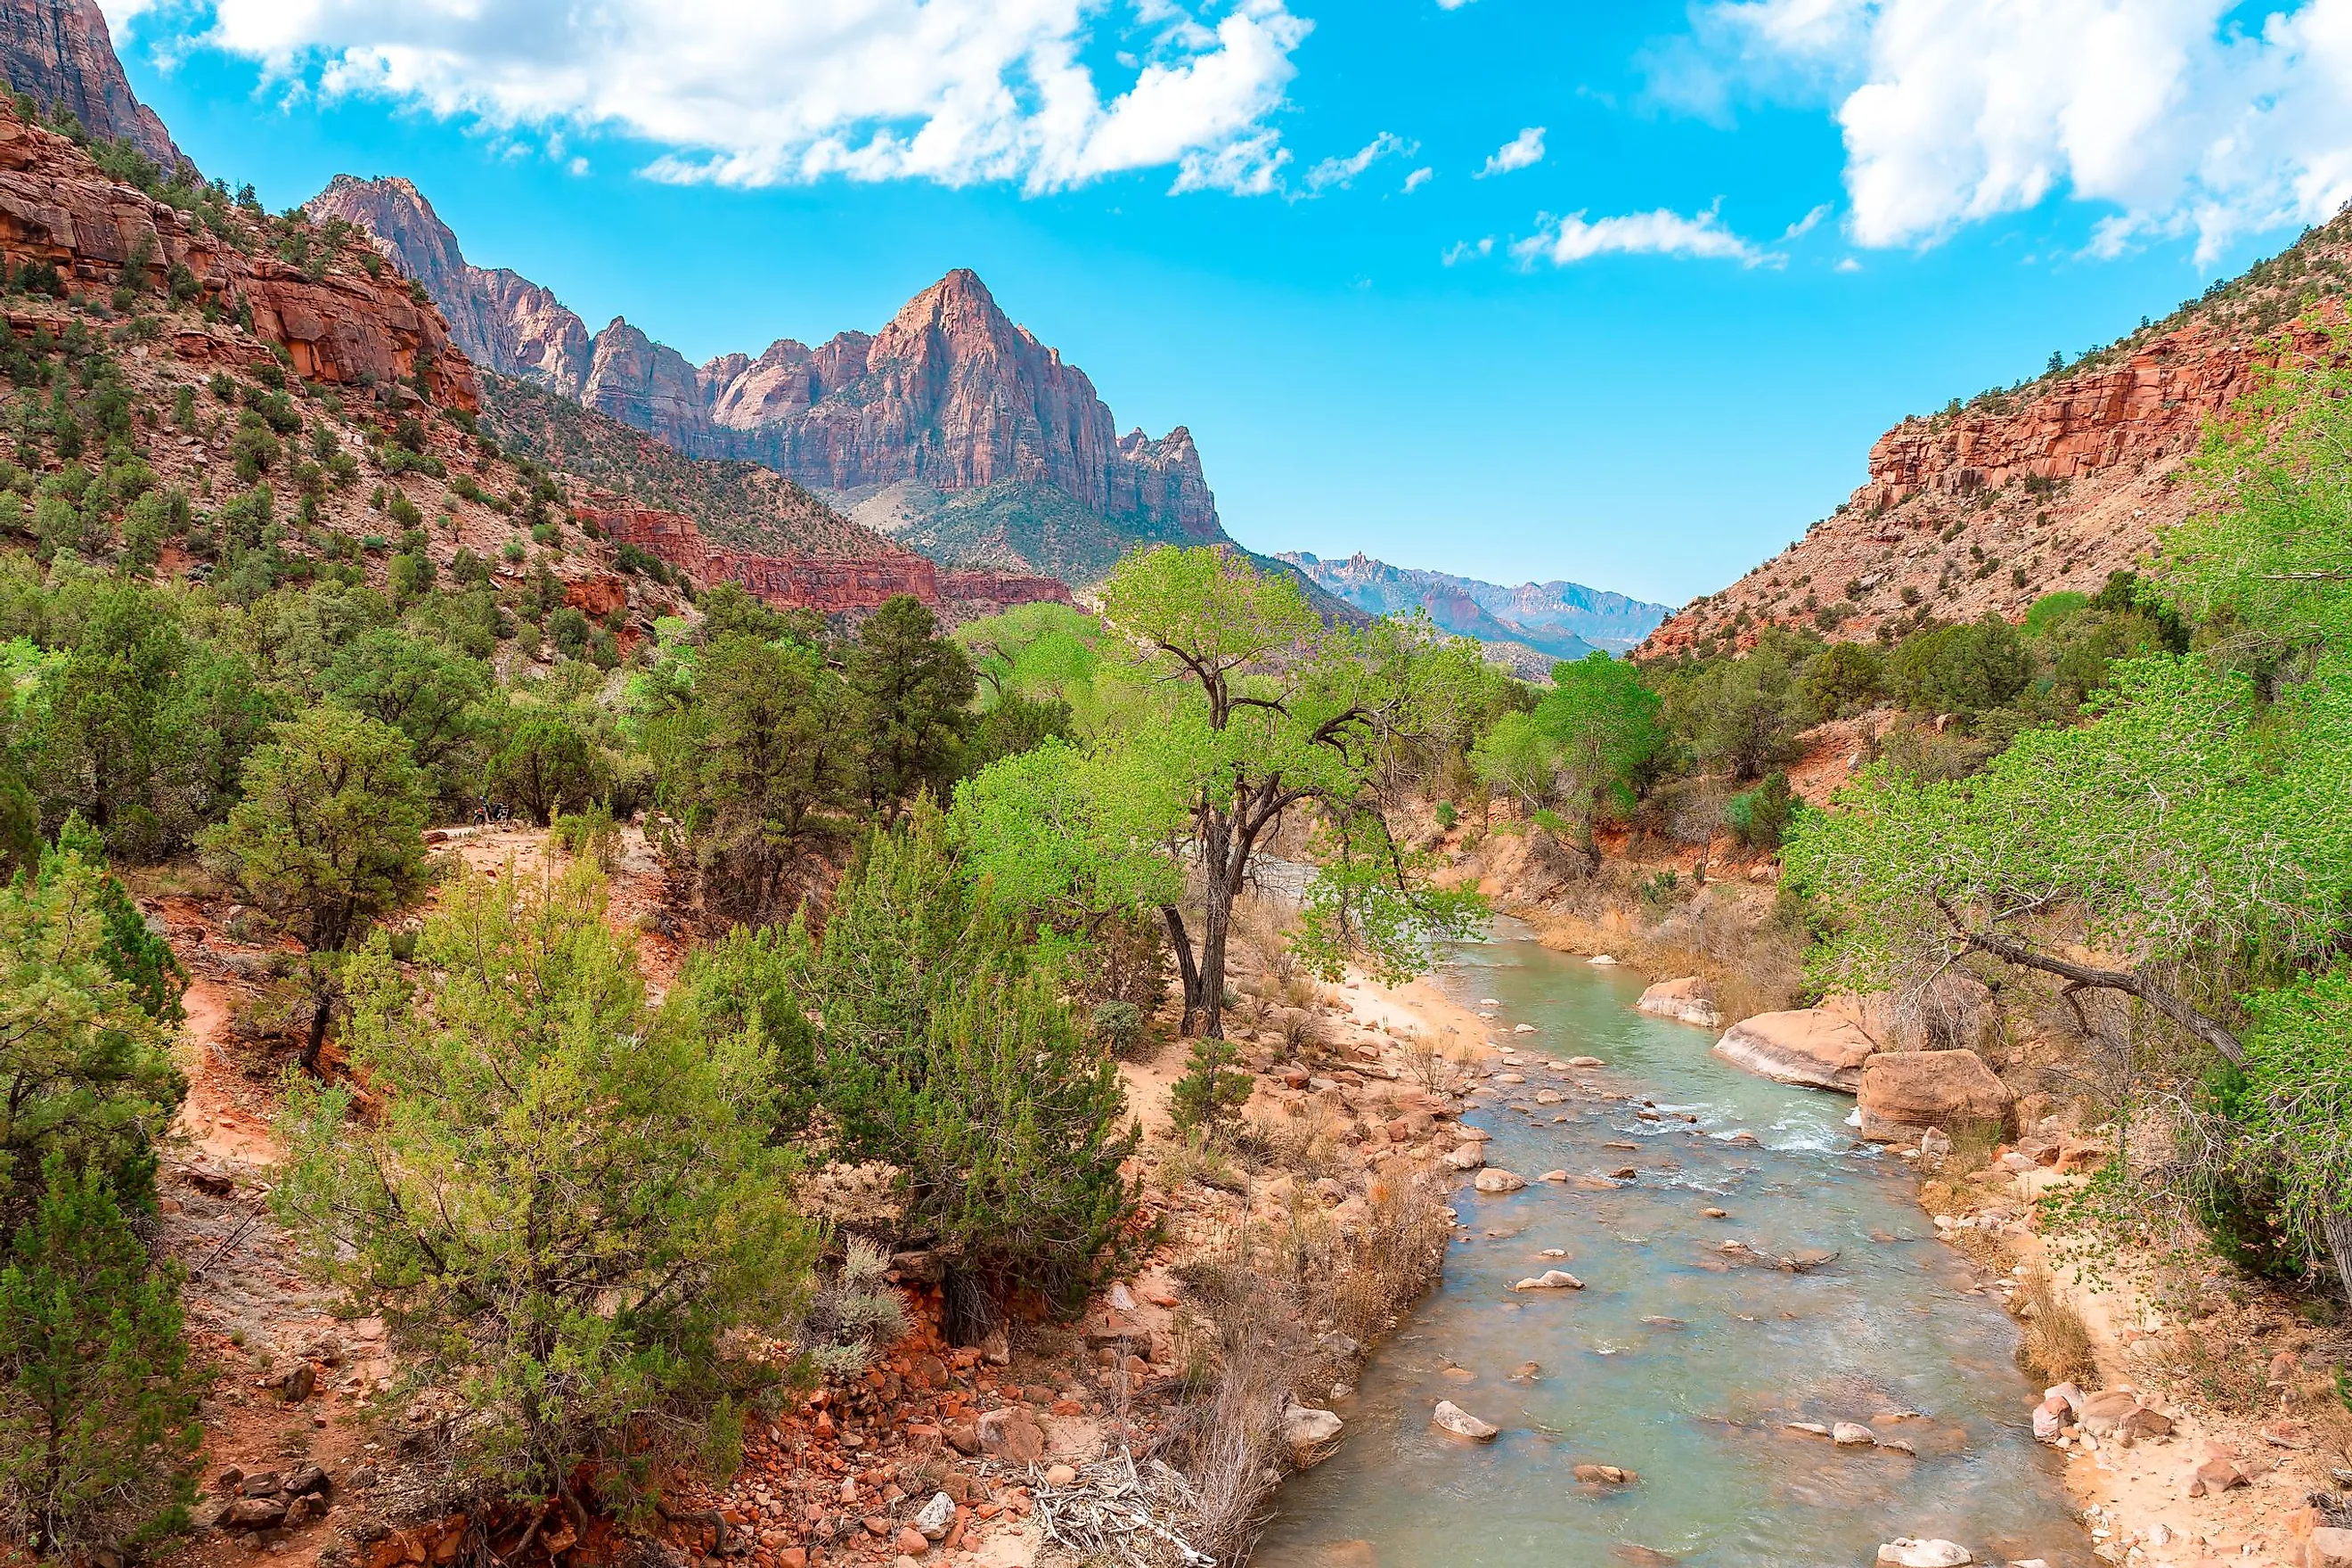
[[1677, 1361]]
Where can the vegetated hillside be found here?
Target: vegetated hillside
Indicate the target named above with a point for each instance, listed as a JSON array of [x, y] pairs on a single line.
[[737, 504], [1564, 620], [59, 54], [951, 398], [2049, 484]]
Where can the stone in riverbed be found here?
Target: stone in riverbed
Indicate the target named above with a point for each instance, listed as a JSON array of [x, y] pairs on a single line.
[[1851, 1434], [1495, 1180], [1907, 1553], [1468, 1157], [1809, 1045], [1450, 1418], [1689, 1000], [1585, 1062], [1607, 1475], [1309, 1434], [1551, 1279], [1553, 1176]]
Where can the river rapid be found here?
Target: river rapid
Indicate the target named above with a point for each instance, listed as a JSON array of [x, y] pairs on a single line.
[[1676, 1360]]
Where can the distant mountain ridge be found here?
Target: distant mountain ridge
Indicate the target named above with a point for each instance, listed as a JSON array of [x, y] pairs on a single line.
[[59, 53], [1563, 620], [951, 398]]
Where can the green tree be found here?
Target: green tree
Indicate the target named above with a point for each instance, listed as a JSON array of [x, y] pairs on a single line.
[[429, 694], [544, 767], [758, 745], [1213, 1089], [328, 837], [568, 1204], [98, 1433], [1247, 711], [1842, 680], [1601, 727], [87, 1072], [911, 687], [1964, 669]]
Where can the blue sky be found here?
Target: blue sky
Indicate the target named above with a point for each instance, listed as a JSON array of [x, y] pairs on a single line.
[[1757, 234]]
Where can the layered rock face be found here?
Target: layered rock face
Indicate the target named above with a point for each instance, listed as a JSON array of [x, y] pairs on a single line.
[[60, 53], [1987, 506], [799, 580], [341, 327], [951, 394]]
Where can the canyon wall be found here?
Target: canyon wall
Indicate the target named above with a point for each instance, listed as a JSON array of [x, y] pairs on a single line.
[[58, 52]]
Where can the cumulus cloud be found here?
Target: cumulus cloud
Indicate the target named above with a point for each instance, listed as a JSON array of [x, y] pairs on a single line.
[[1574, 239], [750, 92], [2183, 116], [1340, 172], [1519, 152], [1417, 179]]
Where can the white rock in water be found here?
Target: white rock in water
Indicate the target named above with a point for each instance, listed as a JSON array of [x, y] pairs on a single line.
[[1850, 1435], [1468, 1157], [1600, 957], [1585, 1062], [1489, 1001], [1523, 1028], [1551, 1279], [937, 1515], [1450, 1418], [1498, 1181], [1554, 1176], [1853, 1118], [1909, 1554]]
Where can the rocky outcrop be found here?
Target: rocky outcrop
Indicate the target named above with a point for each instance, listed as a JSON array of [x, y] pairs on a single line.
[[951, 394], [799, 580], [1808, 1045], [2049, 485], [336, 325], [59, 53], [1690, 1000], [502, 320], [1902, 1094]]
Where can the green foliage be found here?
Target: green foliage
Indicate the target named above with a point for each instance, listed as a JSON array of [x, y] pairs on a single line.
[[1963, 669], [87, 1071], [1210, 1094], [1736, 716], [1758, 816], [567, 1202], [910, 687], [98, 1433], [132, 953], [1842, 680], [544, 766], [430, 694], [330, 833]]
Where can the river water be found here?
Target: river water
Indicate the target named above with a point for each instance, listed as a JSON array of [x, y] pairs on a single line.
[[1677, 1361]]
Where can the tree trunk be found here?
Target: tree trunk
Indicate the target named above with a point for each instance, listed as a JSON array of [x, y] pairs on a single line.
[[1186, 970], [320, 1011], [2336, 1222], [1216, 919]]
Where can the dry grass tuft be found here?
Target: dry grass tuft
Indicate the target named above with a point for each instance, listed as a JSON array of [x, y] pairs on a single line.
[[2057, 1346]]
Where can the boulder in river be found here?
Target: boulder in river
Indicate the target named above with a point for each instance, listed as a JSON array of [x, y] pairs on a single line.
[[1585, 1062], [1907, 1553], [1309, 1434], [1904, 1094], [1494, 1180], [1851, 1434], [1551, 1279], [1808, 1045], [1450, 1418], [1607, 1475], [1689, 1000], [1467, 1157]]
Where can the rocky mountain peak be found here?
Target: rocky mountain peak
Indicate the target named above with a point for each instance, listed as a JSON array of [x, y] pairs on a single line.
[[951, 396], [60, 53]]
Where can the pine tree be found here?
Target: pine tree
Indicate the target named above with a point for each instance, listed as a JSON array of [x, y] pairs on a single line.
[[98, 1401], [1213, 1089]]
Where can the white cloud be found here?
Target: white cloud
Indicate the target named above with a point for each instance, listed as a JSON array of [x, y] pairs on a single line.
[[1417, 179], [1468, 250], [1340, 172], [1805, 224], [2183, 116], [1519, 152], [1574, 239], [1452, 5], [1847, 264], [752, 93]]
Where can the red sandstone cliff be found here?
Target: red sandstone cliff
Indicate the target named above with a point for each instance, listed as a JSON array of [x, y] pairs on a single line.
[[337, 325], [1987, 507], [951, 394], [59, 53], [797, 580]]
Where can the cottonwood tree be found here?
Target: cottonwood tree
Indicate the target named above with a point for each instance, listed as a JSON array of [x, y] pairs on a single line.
[[328, 837], [1588, 738], [567, 1202], [1249, 713], [2188, 845]]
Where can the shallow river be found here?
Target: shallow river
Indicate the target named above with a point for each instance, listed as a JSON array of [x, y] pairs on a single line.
[[1674, 1361]]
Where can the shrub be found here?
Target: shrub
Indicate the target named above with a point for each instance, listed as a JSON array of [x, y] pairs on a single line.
[[98, 1433], [1116, 1027], [567, 1200], [1213, 1089], [1446, 815]]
